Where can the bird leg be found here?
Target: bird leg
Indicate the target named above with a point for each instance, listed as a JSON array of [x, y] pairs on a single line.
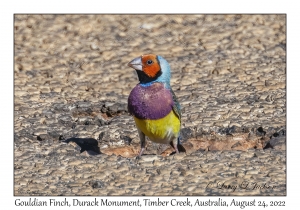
[[143, 142], [174, 144]]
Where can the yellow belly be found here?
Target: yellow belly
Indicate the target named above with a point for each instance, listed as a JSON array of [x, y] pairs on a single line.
[[162, 130]]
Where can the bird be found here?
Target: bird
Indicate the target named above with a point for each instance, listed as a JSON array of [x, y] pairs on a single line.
[[153, 104]]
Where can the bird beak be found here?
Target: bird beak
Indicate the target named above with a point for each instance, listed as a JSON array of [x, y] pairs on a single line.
[[136, 63]]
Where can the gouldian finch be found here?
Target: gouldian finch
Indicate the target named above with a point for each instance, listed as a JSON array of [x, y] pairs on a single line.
[[153, 104]]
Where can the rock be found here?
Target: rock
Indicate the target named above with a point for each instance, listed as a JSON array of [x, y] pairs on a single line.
[[83, 104], [126, 139], [260, 131], [97, 184], [278, 143], [43, 137], [186, 133]]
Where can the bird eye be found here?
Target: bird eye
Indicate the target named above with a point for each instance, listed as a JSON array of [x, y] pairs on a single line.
[[149, 62]]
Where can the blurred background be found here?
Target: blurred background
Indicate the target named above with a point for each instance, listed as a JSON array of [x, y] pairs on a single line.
[[219, 60]]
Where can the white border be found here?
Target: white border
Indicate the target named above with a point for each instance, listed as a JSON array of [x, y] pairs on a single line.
[[154, 6]]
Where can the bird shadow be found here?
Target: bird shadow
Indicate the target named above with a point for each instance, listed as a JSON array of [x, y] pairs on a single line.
[[86, 144]]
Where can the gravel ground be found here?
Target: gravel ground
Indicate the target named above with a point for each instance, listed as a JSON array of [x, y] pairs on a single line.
[[74, 136]]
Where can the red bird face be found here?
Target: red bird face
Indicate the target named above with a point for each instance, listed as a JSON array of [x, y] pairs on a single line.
[[149, 64]]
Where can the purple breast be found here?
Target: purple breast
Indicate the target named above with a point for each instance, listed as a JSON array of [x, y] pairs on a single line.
[[152, 102]]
